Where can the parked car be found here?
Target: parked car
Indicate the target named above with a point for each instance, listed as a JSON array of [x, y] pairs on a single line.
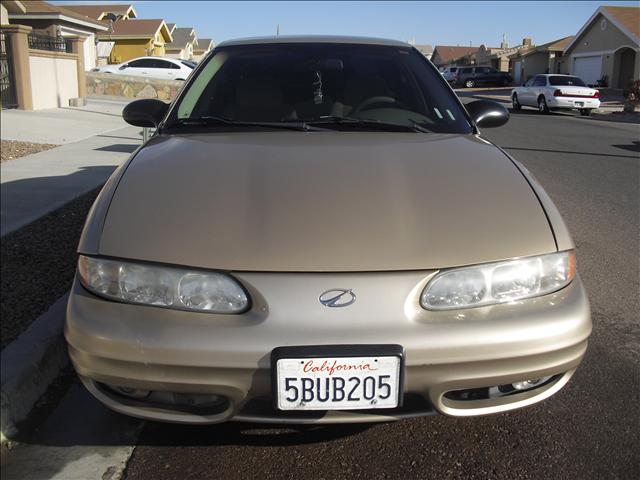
[[556, 92], [476, 76], [152, 67], [317, 232], [448, 73]]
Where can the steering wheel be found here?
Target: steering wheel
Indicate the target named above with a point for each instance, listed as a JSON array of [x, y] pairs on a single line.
[[372, 101]]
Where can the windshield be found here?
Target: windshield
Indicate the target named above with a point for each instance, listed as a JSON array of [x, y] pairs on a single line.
[[564, 81], [189, 64], [323, 84]]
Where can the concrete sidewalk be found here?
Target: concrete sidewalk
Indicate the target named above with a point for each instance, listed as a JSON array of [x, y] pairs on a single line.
[[38, 184], [62, 125]]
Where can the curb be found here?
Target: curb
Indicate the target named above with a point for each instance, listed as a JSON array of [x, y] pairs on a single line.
[[29, 364]]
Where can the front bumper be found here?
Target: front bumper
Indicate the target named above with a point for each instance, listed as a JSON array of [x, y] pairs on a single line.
[[164, 350]]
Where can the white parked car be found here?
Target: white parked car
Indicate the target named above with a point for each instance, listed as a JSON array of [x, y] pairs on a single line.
[[152, 67], [556, 92]]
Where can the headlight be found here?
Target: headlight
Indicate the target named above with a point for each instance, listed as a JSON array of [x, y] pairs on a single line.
[[499, 282], [161, 286]]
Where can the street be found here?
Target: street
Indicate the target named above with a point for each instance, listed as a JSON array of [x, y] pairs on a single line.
[[590, 429]]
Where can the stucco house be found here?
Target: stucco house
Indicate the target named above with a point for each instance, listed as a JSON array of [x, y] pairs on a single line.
[[607, 47], [59, 21], [136, 38], [498, 57], [183, 44], [546, 58], [445, 55], [205, 45]]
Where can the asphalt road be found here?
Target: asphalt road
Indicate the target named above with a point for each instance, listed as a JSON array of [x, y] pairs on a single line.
[[590, 429]]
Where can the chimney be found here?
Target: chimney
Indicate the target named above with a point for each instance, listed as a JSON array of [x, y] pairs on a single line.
[[527, 42]]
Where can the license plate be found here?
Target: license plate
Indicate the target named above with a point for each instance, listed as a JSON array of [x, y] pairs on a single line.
[[579, 104], [338, 379]]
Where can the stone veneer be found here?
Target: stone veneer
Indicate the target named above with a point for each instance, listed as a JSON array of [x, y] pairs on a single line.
[[132, 87]]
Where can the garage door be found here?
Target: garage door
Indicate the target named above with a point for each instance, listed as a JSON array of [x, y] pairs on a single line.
[[589, 69], [517, 66]]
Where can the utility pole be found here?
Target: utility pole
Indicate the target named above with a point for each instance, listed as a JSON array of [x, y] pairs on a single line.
[[277, 30]]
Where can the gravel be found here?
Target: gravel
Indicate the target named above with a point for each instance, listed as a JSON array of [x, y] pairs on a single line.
[[12, 149], [38, 264]]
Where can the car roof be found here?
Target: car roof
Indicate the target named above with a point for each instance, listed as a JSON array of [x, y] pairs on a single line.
[[313, 39]]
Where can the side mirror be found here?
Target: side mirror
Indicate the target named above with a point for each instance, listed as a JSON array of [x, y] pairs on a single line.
[[487, 113], [147, 112]]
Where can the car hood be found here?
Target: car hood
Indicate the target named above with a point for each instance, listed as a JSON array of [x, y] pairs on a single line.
[[323, 202]]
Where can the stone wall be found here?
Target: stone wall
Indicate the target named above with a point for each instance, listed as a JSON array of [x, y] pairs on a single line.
[[131, 87]]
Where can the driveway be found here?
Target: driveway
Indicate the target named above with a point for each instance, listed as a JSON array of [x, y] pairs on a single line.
[[591, 429]]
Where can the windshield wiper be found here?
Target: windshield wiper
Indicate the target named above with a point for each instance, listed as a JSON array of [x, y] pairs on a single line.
[[366, 122], [208, 120]]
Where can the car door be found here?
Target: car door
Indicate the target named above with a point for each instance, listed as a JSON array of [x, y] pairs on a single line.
[[481, 76], [138, 68], [538, 88], [525, 93], [165, 70]]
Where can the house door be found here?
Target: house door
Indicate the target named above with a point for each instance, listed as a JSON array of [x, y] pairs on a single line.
[[7, 78], [588, 69]]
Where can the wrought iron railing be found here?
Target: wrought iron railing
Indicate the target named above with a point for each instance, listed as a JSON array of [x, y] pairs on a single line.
[[49, 43]]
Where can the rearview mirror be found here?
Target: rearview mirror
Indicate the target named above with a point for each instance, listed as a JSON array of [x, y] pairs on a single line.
[[147, 112], [487, 113]]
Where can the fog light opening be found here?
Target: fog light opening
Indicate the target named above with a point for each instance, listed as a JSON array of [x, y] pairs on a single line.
[[132, 392], [528, 384], [497, 391]]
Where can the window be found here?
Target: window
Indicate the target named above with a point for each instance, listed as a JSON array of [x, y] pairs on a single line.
[[529, 82], [565, 80], [453, 69], [309, 82], [466, 71], [142, 63], [540, 81], [482, 70], [189, 64], [165, 64]]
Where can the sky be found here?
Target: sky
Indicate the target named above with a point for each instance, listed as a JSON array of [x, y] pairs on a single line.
[[435, 23]]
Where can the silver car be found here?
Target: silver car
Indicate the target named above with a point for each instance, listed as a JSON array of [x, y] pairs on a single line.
[[318, 232]]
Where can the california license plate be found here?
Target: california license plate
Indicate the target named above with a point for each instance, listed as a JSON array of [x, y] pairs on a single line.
[[339, 379]]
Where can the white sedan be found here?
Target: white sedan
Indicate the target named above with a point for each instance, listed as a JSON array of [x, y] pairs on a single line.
[[556, 92], [152, 67]]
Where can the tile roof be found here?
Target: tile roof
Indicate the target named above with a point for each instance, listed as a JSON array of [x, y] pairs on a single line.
[[39, 7], [136, 28], [449, 53], [181, 37], [204, 44], [96, 11], [628, 17]]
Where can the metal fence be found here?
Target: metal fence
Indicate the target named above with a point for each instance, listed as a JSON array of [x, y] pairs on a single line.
[[40, 41], [7, 78]]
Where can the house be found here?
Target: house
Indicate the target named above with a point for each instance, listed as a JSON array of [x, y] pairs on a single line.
[[607, 47], [498, 57], [105, 13], [546, 58], [426, 50], [58, 21], [183, 44], [444, 55], [171, 27], [136, 38], [205, 45]]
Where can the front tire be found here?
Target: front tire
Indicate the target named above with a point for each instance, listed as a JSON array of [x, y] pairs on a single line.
[[585, 112], [542, 105], [469, 84], [515, 102]]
